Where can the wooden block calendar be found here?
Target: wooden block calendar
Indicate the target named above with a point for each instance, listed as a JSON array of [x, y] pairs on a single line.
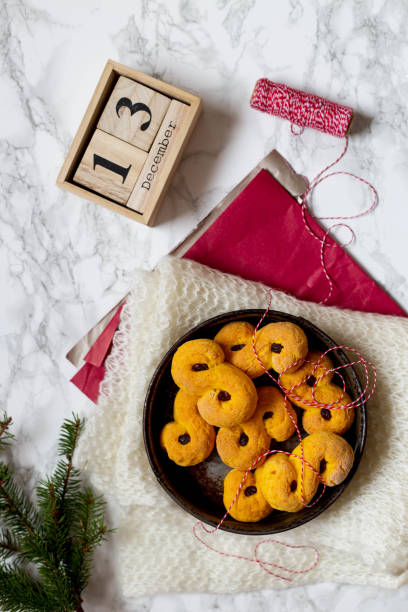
[[129, 142]]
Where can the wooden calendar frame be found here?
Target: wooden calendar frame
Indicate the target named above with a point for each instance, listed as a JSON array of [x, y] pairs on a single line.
[[104, 88]]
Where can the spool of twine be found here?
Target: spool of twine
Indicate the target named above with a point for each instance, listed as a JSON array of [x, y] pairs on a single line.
[[301, 108]]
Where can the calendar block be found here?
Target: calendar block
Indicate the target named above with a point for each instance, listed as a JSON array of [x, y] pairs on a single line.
[[110, 166], [134, 113], [157, 168]]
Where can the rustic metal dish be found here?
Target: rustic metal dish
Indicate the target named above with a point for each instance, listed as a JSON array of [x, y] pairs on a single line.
[[199, 489]]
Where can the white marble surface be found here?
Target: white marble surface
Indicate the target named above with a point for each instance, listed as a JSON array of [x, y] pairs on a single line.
[[65, 261]]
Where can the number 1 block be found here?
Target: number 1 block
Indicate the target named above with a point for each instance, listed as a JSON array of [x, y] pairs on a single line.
[[134, 113], [110, 167]]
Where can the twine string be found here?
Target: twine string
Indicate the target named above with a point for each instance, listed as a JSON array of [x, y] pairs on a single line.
[[301, 108], [324, 244], [265, 565]]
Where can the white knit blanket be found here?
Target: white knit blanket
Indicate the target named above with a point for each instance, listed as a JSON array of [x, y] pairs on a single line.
[[362, 538]]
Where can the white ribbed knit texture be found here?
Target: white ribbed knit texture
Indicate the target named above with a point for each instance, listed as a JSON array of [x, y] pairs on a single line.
[[362, 538]]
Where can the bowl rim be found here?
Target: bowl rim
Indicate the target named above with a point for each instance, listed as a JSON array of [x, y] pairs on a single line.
[[238, 527]]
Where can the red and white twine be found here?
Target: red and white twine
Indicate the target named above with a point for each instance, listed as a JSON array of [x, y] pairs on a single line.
[[322, 176], [308, 110], [305, 110], [301, 108]]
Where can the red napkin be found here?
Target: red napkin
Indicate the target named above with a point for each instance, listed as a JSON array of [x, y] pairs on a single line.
[[88, 379], [90, 376], [261, 236]]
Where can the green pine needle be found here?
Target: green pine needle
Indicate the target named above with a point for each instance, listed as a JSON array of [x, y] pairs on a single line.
[[70, 432], [19, 592], [9, 547], [16, 511]]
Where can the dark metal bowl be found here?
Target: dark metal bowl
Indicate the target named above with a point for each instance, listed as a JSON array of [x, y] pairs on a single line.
[[199, 489]]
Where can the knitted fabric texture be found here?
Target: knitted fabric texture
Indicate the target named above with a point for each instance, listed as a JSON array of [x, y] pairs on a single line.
[[362, 538]]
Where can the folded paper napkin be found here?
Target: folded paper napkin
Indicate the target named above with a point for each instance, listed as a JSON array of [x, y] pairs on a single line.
[[362, 538]]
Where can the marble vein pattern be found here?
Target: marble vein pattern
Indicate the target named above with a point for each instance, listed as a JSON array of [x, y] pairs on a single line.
[[65, 261]]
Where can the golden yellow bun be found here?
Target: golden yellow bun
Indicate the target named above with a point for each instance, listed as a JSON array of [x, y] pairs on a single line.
[[188, 439], [235, 339], [241, 445], [250, 505], [305, 379], [271, 410], [230, 397], [279, 345], [193, 362], [336, 420]]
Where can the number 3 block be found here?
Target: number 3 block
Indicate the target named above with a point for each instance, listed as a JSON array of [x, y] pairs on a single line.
[[110, 166], [134, 113]]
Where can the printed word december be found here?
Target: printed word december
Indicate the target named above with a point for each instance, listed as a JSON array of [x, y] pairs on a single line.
[[161, 151]]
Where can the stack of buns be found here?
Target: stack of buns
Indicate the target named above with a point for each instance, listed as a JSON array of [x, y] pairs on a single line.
[[218, 405]]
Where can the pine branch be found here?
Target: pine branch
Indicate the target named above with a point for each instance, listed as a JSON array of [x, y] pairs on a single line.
[[20, 516], [58, 496], [66, 479], [70, 432], [5, 436], [54, 525], [90, 530], [59, 538]]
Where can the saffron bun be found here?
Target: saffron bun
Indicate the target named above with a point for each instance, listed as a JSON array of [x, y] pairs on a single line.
[[226, 395], [281, 346], [278, 421], [235, 338], [193, 362], [188, 439], [240, 446], [250, 505], [331, 414], [230, 397], [222, 400]]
